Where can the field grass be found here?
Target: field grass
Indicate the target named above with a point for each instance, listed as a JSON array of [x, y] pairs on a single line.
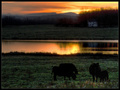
[[34, 72], [43, 32]]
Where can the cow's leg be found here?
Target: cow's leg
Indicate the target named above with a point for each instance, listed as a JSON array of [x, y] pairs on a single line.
[[73, 76], [105, 79], [93, 78], [55, 77], [64, 77], [96, 78], [100, 79], [69, 78]]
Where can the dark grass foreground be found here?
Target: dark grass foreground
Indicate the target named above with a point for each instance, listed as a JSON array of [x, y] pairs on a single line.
[[34, 72]]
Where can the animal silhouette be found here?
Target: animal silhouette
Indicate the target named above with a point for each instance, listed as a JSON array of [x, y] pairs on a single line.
[[103, 75], [66, 70], [95, 70]]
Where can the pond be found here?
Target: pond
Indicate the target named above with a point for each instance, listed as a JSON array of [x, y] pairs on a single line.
[[61, 46]]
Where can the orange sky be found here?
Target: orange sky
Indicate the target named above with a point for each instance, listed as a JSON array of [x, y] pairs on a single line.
[[22, 7]]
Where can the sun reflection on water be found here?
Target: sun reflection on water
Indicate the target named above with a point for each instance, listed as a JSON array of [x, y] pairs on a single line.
[[60, 48], [69, 49]]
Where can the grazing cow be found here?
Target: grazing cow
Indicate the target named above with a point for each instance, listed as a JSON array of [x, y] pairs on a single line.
[[103, 75], [69, 67], [66, 70], [95, 70]]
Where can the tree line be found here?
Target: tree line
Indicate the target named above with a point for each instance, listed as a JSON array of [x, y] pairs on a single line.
[[12, 20], [104, 18]]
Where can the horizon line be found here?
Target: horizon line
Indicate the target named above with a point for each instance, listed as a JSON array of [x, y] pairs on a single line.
[[62, 12]]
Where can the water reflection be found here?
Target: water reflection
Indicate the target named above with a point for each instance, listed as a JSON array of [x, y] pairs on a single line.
[[101, 45], [90, 47], [60, 47], [69, 48]]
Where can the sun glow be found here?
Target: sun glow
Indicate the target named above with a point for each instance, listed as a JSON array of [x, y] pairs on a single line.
[[58, 7], [75, 49], [70, 49], [77, 11]]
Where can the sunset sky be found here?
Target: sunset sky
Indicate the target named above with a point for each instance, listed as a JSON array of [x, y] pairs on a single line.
[[22, 7]]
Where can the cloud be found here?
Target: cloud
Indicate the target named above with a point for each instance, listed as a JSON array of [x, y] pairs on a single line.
[[40, 7], [31, 6], [22, 7]]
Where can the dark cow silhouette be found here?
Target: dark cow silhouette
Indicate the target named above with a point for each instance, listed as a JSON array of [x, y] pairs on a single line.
[[66, 70], [95, 70], [69, 67], [103, 75]]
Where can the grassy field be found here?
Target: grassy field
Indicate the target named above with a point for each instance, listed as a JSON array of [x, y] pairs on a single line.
[[35, 72], [51, 32]]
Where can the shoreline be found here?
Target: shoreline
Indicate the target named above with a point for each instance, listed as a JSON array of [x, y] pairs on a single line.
[[59, 39], [116, 41], [55, 54]]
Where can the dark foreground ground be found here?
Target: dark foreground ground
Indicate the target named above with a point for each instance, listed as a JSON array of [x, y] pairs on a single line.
[[29, 71]]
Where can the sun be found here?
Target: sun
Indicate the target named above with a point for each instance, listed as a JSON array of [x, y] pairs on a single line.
[[77, 11]]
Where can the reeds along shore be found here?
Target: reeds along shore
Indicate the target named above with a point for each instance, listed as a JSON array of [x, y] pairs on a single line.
[[55, 54]]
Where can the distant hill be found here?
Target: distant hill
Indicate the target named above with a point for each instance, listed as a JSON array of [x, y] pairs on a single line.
[[36, 18], [52, 15], [70, 14], [40, 14], [45, 15]]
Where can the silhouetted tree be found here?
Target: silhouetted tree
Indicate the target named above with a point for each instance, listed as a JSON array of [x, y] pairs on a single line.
[[104, 17]]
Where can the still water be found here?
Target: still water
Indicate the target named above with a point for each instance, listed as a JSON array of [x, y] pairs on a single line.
[[61, 46]]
